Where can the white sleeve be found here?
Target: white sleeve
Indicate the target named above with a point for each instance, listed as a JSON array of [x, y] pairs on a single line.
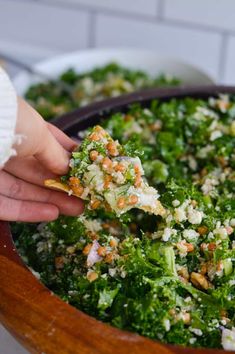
[[8, 115]]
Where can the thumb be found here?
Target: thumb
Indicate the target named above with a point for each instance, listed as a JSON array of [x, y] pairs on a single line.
[[51, 154], [38, 140]]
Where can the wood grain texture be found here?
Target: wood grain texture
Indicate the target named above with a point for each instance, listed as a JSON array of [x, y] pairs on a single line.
[[40, 320], [44, 323]]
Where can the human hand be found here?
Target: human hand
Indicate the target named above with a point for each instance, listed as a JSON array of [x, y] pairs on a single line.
[[43, 153]]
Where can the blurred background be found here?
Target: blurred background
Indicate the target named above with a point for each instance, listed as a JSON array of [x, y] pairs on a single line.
[[201, 32]]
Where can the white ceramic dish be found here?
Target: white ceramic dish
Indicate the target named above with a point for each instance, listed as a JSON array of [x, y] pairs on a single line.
[[149, 61]]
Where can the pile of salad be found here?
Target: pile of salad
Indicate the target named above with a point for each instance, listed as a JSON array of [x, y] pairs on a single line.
[[169, 277], [72, 90]]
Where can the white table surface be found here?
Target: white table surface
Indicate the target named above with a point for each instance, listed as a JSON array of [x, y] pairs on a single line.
[[8, 345]]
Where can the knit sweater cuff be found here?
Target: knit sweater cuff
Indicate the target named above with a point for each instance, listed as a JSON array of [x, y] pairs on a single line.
[[8, 115]]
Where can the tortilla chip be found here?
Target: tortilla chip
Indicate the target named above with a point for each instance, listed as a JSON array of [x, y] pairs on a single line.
[[158, 209], [54, 184]]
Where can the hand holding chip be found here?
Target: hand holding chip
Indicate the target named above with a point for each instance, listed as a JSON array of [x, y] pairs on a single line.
[[43, 153]]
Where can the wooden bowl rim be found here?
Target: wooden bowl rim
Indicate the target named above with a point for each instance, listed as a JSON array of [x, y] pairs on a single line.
[[9, 254]]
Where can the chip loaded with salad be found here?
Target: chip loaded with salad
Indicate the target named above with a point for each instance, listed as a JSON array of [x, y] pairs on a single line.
[[101, 173]]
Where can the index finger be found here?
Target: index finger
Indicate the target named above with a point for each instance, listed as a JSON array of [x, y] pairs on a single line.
[[28, 169]]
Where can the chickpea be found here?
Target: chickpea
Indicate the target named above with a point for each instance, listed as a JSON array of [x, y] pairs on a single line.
[[128, 117], [121, 203], [94, 137], [113, 242], [109, 258], [91, 276], [107, 164], [98, 129], [106, 226], [203, 270], [120, 168], [202, 230], [211, 246], [137, 170], [94, 204], [112, 148], [87, 249], [186, 317], [189, 246], [132, 200], [107, 181], [59, 262], [75, 185], [194, 203], [78, 190], [102, 251], [93, 155], [93, 235], [203, 246], [74, 181], [137, 181]]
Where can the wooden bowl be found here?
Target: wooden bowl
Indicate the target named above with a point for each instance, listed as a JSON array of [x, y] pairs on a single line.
[[32, 313]]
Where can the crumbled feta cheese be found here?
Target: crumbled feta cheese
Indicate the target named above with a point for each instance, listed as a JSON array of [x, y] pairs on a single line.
[[215, 135], [194, 216], [208, 185], [192, 340], [207, 112], [134, 128], [215, 322], [187, 212], [91, 225], [190, 234], [112, 272], [87, 84], [176, 203], [221, 232], [213, 125], [167, 233], [123, 273], [169, 218], [228, 338], [166, 324], [192, 163], [94, 177], [203, 152], [118, 177], [180, 215], [196, 331], [183, 251], [147, 112], [232, 222]]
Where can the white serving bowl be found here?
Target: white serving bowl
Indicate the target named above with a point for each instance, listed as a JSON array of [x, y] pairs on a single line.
[[149, 61]]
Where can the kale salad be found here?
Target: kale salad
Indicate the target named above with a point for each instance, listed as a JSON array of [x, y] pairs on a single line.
[[72, 90], [168, 277]]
